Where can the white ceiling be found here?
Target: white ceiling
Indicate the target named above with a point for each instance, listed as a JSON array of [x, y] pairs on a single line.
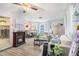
[[8, 7], [49, 11]]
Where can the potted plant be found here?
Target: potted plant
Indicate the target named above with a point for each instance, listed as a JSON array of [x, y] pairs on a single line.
[[37, 36], [57, 51]]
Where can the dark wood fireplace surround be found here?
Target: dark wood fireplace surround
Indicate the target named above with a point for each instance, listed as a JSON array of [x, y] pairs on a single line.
[[18, 38]]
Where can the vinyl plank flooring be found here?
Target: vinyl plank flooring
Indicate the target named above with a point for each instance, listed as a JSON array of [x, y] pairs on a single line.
[[27, 49]]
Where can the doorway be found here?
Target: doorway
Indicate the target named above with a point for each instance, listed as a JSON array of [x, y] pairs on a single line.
[[4, 32]]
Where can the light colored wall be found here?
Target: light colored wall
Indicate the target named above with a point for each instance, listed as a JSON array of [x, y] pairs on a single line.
[[15, 13], [19, 19], [68, 22], [36, 25], [16, 17]]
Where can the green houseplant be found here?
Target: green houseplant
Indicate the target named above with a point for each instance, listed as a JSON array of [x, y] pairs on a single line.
[[57, 50], [37, 36]]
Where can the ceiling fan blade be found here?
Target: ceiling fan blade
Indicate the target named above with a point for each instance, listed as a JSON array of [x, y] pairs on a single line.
[[17, 3], [28, 5]]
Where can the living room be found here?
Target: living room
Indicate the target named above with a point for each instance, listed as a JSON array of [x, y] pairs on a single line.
[[38, 29]]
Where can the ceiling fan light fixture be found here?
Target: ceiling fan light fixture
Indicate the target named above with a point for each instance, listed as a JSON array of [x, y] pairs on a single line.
[[26, 6]]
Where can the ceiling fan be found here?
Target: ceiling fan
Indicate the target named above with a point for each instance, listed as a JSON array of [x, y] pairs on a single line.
[[27, 6]]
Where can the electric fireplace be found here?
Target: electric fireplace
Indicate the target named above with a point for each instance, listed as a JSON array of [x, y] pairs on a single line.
[[18, 38]]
